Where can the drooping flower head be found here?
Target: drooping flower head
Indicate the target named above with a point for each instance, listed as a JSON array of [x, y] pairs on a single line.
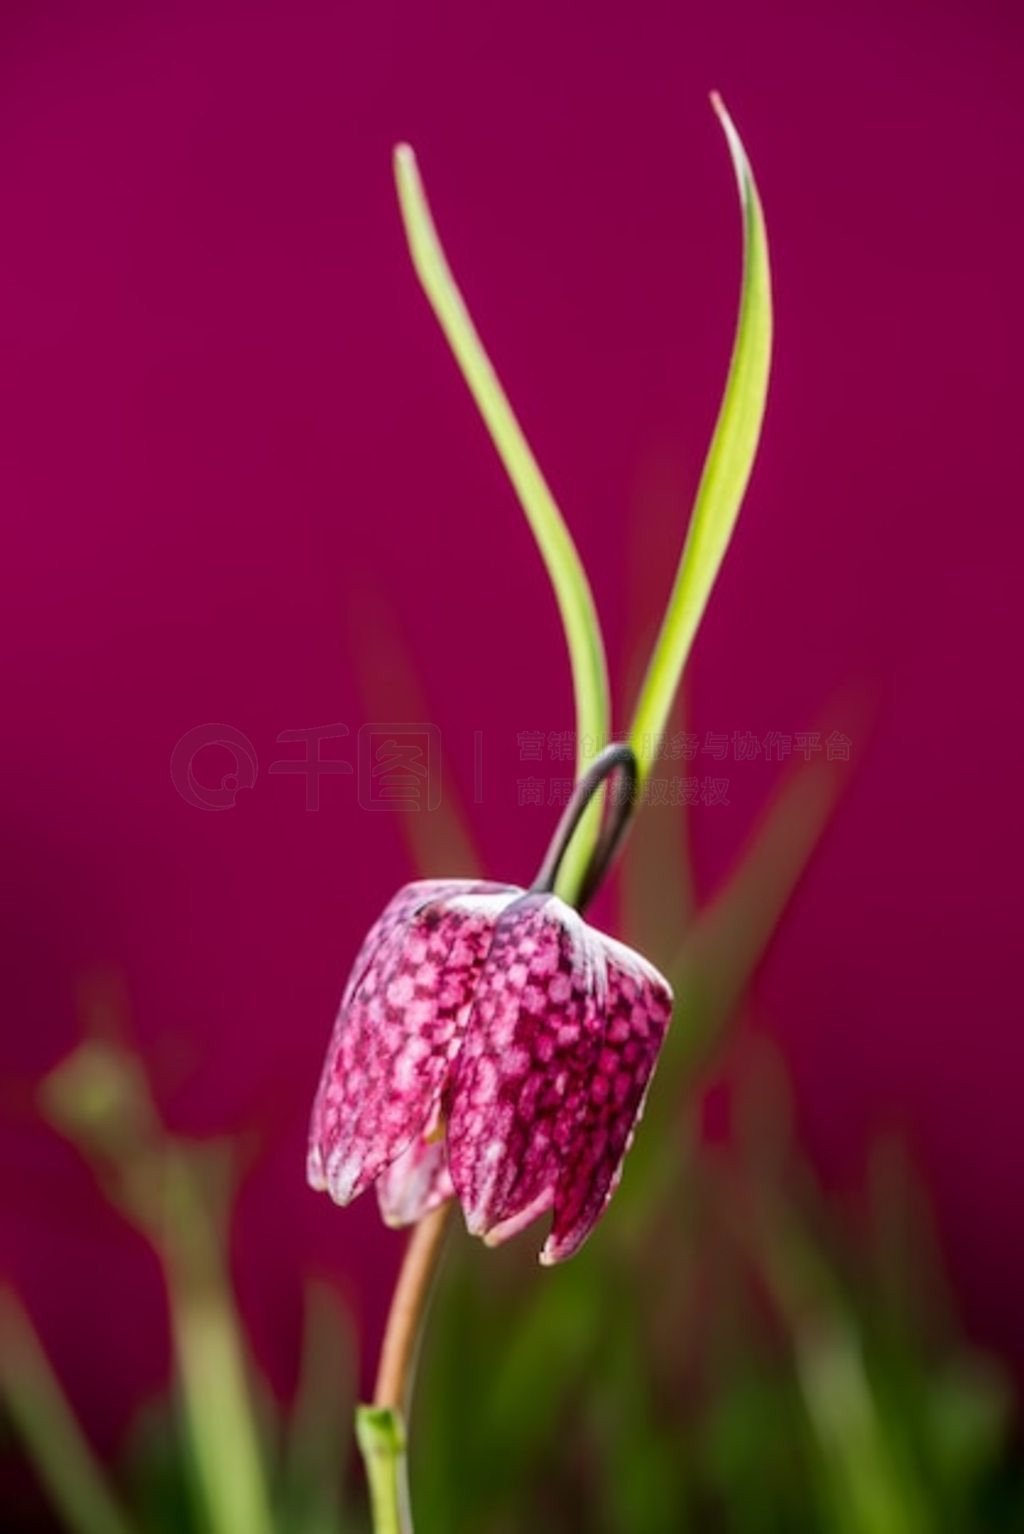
[[493, 1046]]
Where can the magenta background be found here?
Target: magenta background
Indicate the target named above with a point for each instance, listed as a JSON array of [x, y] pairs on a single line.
[[227, 424]]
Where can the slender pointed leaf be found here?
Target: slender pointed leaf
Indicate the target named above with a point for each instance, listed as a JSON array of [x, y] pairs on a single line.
[[726, 469], [50, 1431], [568, 578]]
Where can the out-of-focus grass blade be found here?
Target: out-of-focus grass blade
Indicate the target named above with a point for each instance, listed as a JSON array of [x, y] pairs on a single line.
[[866, 1488], [726, 469], [730, 936], [866, 1482], [49, 1429], [658, 886], [100, 1098], [720, 953], [214, 1367], [568, 578], [325, 1398], [716, 964], [439, 842]]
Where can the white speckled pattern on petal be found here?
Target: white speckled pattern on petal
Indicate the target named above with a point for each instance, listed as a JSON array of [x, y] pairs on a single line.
[[399, 1028], [564, 1033]]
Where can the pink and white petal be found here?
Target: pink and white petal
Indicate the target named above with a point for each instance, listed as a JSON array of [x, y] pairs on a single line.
[[519, 1086], [415, 1184], [636, 1013], [399, 1028]]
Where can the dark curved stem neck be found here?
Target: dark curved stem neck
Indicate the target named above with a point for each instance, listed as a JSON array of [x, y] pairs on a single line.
[[617, 758]]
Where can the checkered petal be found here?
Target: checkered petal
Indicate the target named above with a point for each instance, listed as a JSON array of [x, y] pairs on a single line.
[[416, 1183], [636, 1009], [399, 1028], [562, 1039]]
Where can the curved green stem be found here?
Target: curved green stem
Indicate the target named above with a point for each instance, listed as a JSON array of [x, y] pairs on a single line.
[[614, 758]]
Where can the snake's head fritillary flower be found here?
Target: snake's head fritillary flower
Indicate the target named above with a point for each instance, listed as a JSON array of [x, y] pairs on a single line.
[[492, 1045], [399, 1030]]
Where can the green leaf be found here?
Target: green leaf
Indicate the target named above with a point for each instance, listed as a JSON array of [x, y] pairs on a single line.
[[311, 1503], [50, 1431], [439, 844], [175, 1194], [214, 1365], [726, 469], [568, 578], [715, 966]]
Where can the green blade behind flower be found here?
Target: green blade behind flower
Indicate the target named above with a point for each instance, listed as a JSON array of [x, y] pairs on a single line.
[[39, 1410], [176, 1194], [311, 1489], [568, 578], [439, 843], [726, 469]]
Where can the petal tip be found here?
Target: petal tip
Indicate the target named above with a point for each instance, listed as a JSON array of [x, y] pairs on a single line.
[[315, 1170], [557, 1250], [550, 1254], [476, 1224], [343, 1180]]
